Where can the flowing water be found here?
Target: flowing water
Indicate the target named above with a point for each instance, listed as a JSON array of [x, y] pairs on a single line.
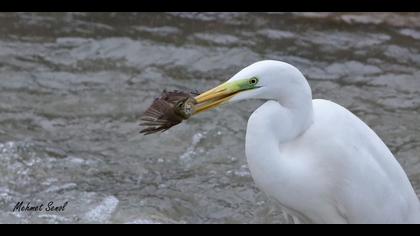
[[73, 85]]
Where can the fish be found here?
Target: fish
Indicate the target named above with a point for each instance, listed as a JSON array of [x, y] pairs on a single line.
[[168, 110]]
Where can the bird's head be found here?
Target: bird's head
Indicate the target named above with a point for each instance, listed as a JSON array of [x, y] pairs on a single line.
[[266, 79]]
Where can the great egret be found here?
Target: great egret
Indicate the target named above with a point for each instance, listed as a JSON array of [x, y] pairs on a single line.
[[320, 161]]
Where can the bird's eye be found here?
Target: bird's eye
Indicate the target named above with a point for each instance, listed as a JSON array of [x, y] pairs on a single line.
[[253, 81]]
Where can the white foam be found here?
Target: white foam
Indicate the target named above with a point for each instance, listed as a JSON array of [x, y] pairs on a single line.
[[6, 194], [60, 187], [75, 160], [54, 218], [242, 172], [7, 147], [143, 221], [103, 212], [190, 150]]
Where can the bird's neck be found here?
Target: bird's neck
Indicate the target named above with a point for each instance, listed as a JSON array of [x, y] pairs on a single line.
[[274, 123], [279, 122], [286, 115], [299, 110], [295, 114]]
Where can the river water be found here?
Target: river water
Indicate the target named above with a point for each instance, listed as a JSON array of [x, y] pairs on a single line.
[[73, 85]]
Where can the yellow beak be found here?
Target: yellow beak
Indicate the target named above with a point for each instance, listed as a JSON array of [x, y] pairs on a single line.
[[222, 93], [215, 97]]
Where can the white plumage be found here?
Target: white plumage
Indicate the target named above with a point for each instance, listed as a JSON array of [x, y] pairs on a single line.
[[321, 162]]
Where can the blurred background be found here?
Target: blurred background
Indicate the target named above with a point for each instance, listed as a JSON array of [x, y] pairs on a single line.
[[73, 85]]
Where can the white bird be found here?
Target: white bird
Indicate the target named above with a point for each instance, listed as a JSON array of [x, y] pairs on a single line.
[[316, 158]]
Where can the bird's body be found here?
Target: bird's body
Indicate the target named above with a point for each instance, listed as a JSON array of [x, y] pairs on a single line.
[[336, 171], [316, 158]]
